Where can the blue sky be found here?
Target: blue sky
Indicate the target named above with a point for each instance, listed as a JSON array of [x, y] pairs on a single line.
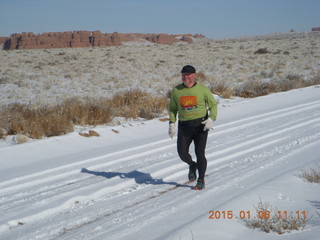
[[214, 18]]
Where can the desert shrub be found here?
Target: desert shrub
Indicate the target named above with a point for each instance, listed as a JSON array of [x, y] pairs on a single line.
[[312, 175], [294, 81], [287, 84], [87, 111], [47, 121], [135, 103], [294, 77], [251, 89], [315, 80], [222, 88], [269, 219], [201, 76], [35, 123], [4, 80], [261, 51]]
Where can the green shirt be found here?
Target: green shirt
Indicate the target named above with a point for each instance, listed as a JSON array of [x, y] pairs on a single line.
[[192, 103]]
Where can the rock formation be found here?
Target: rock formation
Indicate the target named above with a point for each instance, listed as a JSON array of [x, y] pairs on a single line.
[[78, 39], [61, 40], [3, 40]]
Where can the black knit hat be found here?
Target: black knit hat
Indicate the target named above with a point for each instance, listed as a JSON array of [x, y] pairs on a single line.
[[188, 69]]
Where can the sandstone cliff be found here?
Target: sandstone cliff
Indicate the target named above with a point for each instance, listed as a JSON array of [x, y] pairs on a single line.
[[3, 40], [76, 39]]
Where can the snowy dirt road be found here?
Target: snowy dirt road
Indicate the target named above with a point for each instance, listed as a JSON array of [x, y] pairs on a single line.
[[132, 185]]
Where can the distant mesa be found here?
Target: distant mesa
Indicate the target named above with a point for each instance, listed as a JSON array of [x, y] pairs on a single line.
[[78, 39]]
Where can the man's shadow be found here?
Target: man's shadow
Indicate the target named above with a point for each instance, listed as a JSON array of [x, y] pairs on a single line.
[[139, 177]]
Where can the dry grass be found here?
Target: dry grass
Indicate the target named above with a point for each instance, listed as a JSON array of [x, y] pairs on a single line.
[[222, 88], [269, 220], [138, 104], [48, 121], [87, 111], [312, 175], [35, 123], [250, 89], [254, 88]]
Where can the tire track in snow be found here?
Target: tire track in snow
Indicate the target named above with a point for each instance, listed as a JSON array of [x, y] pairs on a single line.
[[171, 199], [121, 218], [265, 117], [80, 163]]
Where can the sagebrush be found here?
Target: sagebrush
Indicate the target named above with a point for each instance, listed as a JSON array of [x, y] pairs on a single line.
[[270, 220], [312, 175]]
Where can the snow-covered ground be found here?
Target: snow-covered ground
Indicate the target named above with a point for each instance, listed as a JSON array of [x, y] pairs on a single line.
[[130, 185]]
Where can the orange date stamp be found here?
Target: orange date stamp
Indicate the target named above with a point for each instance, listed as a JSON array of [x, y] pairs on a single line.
[[229, 214]]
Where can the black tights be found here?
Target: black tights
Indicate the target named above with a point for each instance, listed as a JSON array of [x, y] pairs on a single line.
[[199, 137]]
